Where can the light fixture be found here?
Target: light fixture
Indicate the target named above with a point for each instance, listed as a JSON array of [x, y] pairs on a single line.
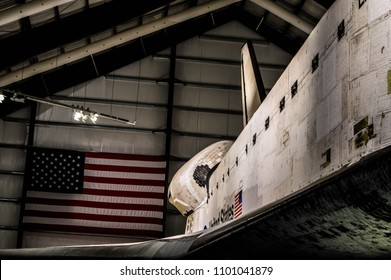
[[93, 117], [18, 98], [79, 112], [85, 115]]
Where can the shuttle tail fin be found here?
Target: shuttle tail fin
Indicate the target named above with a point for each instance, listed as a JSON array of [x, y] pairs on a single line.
[[253, 90]]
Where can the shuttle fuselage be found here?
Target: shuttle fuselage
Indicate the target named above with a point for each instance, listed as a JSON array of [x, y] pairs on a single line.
[[330, 108]]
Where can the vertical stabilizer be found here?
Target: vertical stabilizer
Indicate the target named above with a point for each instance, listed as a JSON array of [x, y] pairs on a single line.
[[253, 91]]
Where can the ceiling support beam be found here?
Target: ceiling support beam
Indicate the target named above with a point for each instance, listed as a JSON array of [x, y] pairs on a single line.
[[116, 40], [152, 106], [240, 40], [85, 125], [284, 14], [177, 82], [72, 28], [127, 129], [169, 121], [28, 9], [269, 66], [272, 34], [30, 144]]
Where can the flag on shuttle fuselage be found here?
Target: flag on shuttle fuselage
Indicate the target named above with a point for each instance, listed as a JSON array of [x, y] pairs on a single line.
[[93, 192], [238, 204]]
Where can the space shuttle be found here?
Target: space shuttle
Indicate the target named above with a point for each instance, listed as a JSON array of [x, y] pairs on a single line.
[[310, 174]]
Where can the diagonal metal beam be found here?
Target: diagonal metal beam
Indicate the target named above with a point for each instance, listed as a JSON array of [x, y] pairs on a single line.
[[65, 30], [269, 32], [284, 14], [28, 9], [116, 40]]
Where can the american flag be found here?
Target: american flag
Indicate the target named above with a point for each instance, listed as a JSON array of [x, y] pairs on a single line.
[[238, 204], [98, 193]]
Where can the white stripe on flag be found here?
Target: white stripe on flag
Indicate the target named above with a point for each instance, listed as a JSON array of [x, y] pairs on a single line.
[[120, 187], [95, 198]]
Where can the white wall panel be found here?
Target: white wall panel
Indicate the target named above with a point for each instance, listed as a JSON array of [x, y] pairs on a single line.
[[186, 121], [235, 125], [184, 147], [219, 99], [213, 123], [187, 147], [191, 47], [271, 54], [187, 97], [100, 140], [12, 159], [208, 98], [220, 124], [11, 218], [207, 123], [234, 28], [8, 239], [13, 133], [174, 222], [11, 186]]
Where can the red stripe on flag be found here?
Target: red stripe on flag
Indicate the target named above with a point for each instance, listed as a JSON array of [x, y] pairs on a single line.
[[238, 204], [124, 156], [94, 204], [123, 181], [130, 169]]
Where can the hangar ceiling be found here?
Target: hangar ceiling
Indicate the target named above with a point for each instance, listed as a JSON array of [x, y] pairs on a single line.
[[48, 46]]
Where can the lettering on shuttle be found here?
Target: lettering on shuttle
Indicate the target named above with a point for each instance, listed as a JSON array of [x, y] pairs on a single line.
[[225, 214]]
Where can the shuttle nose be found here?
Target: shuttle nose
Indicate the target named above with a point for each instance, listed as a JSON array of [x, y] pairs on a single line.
[[187, 190]]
